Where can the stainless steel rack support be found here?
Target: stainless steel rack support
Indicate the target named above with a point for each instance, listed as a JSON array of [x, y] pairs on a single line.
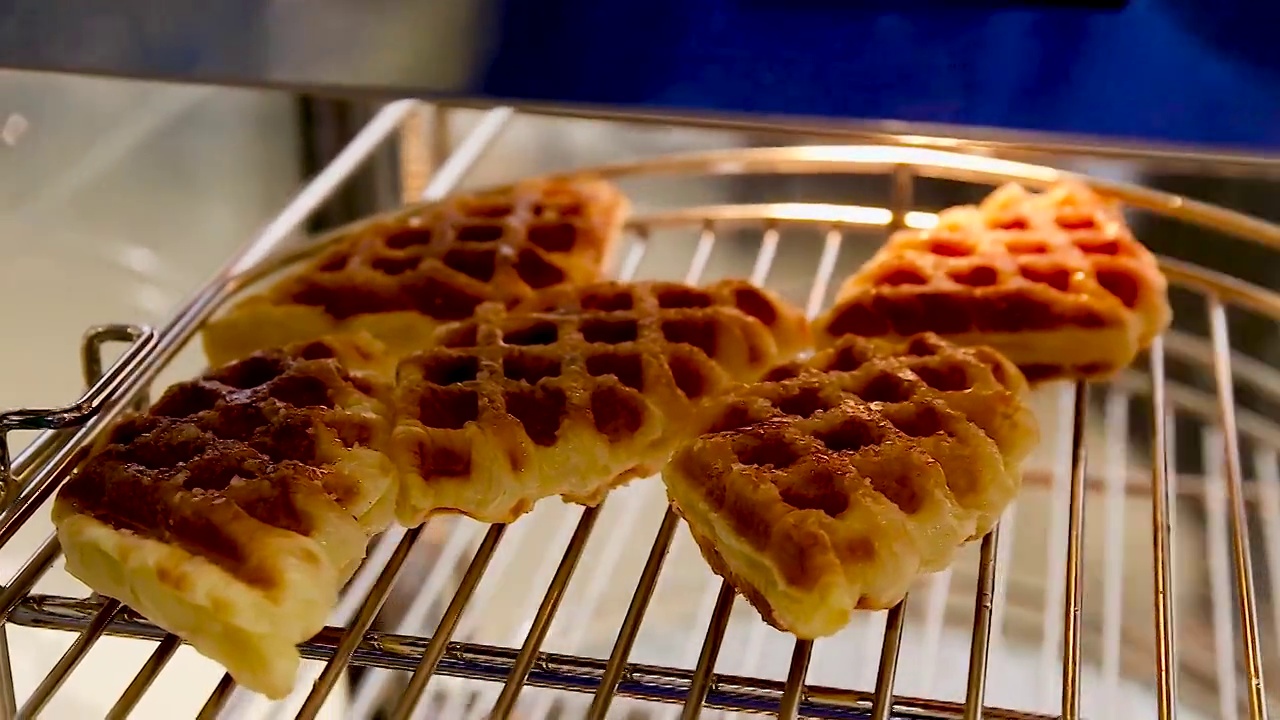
[[38, 472]]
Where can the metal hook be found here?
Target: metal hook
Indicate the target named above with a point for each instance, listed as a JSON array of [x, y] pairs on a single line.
[[72, 415]]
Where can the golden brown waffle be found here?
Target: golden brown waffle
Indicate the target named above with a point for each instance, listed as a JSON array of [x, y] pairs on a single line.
[[234, 510], [787, 325], [400, 277], [513, 407], [1055, 280], [833, 483]]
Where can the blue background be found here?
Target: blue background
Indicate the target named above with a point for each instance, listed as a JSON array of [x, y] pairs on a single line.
[[1173, 70], [1205, 72]]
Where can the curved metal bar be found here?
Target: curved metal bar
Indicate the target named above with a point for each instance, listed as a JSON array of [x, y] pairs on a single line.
[[78, 413], [200, 306], [136, 370], [261, 257], [883, 159], [1154, 157], [1245, 294], [862, 160]]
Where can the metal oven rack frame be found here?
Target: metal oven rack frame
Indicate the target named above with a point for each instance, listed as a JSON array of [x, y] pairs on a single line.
[[31, 478]]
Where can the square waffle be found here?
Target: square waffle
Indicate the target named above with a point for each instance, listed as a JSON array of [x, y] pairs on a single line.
[[1055, 281], [575, 398], [832, 484], [234, 510], [399, 278]]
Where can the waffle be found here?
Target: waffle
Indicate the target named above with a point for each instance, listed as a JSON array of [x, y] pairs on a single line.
[[399, 278], [234, 510], [785, 323], [1055, 281], [832, 484], [573, 399]]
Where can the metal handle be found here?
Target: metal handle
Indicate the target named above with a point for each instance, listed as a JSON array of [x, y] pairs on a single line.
[[100, 383]]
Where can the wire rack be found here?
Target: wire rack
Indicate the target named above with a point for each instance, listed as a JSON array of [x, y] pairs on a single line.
[[433, 661]]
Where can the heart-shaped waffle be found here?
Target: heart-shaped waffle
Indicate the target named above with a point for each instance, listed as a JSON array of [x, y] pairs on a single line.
[[513, 407], [833, 483], [399, 278], [1055, 281], [232, 512]]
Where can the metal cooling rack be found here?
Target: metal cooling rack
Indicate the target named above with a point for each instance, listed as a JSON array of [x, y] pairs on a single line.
[[591, 686]]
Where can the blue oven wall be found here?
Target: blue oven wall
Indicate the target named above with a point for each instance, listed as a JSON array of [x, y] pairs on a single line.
[[1170, 70], [1204, 72]]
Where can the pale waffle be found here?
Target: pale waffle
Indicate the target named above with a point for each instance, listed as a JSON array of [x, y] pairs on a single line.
[[1055, 280], [572, 400], [401, 277], [831, 485], [234, 510]]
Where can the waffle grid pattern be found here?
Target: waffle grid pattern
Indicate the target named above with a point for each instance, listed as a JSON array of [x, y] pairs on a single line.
[[250, 430], [1021, 262], [849, 474], [234, 509], [568, 401], [444, 259], [401, 277]]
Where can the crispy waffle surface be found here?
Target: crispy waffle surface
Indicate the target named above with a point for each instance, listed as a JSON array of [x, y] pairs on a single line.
[[234, 510], [835, 482], [400, 277], [573, 399], [1054, 280]]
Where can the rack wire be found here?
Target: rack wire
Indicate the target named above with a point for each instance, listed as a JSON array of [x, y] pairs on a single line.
[[595, 684]]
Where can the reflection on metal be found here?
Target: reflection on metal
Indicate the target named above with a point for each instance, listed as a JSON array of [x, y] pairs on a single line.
[[13, 128], [1074, 593]]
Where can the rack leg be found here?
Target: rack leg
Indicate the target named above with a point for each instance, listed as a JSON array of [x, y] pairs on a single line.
[[883, 703], [546, 614], [68, 662], [1075, 562], [217, 699], [8, 701], [710, 652], [635, 615], [353, 635], [448, 623], [983, 602], [793, 694], [1162, 509], [147, 675], [1241, 555]]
